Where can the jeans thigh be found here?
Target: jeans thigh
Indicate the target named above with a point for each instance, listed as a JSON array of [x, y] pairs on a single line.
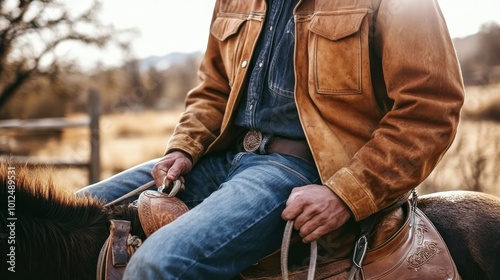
[[206, 177], [231, 229]]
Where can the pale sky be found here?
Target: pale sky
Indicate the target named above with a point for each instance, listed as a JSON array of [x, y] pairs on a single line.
[[167, 26]]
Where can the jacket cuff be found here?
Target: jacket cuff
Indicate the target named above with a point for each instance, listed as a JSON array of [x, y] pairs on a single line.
[[186, 144], [357, 198]]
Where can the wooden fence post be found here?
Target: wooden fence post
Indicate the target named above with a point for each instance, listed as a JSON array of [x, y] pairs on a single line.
[[94, 112]]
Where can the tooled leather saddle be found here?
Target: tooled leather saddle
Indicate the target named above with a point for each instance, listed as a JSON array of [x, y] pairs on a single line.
[[399, 244]]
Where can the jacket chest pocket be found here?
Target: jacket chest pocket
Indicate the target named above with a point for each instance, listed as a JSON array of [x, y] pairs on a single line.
[[335, 52], [229, 32]]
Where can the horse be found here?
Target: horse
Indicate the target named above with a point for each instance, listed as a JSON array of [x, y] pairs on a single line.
[[48, 233]]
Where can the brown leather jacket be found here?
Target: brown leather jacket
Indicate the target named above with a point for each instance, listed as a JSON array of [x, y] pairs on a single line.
[[378, 90]]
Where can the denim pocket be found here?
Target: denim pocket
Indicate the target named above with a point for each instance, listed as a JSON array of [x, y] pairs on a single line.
[[335, 48], [281, 70]]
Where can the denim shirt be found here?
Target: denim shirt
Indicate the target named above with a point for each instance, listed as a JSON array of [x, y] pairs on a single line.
[[268, 104]]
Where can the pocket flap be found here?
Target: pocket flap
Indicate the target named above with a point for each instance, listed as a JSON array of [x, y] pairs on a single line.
[[335, 26], [223, 27]]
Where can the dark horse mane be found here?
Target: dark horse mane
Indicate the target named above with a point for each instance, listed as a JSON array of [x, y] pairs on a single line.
[[68, 228]]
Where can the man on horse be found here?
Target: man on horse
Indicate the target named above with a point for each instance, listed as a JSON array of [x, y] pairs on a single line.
[[318, 111]]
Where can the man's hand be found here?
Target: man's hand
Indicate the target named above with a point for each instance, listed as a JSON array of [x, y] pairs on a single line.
[[173, 166], [316, 210]]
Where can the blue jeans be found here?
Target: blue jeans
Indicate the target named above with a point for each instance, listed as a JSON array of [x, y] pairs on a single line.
[[235, 202]]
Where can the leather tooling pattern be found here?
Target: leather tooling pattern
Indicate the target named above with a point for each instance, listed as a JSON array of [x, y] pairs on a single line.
[[423, 255], [420, 230], [425, 252]]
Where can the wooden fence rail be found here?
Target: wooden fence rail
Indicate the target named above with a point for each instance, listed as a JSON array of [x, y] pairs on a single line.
[[92, 122]]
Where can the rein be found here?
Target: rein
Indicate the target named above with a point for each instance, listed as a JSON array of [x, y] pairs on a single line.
[[285, 245], [131, 194], [175, 188]]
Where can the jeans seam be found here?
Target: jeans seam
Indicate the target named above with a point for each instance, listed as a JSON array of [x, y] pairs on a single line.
[[291, 171]]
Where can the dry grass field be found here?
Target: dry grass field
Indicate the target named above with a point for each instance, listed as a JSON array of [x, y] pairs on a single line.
[[125, 140], [472, 162]]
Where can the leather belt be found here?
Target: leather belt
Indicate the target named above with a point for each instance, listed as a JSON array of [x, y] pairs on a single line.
[[256, 142]]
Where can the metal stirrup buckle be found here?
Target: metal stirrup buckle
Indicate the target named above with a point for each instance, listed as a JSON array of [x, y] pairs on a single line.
[[252, 141]]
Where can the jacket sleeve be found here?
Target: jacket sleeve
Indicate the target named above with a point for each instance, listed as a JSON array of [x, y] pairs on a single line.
[[423, 81], [200, 123]]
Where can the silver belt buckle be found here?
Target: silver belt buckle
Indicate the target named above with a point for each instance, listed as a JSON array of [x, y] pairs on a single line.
[[252, 141]]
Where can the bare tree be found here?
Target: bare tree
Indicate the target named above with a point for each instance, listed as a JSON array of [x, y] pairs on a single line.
[[31, 32]]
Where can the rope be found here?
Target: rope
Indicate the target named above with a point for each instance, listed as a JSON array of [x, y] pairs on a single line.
[[131, 194], [285, 245], [173, 192]]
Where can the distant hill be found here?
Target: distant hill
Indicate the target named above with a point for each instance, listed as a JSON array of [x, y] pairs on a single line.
[[479, 55], [467, 47], [166, 61]]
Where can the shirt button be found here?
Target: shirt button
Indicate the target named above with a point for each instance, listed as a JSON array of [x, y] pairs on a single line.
[[244, 64], [271, 28], [261, 64]]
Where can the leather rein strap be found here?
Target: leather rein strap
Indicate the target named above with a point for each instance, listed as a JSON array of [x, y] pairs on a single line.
[[116, 251]]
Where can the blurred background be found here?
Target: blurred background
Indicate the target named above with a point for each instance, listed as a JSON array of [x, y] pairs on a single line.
[[141, 57]]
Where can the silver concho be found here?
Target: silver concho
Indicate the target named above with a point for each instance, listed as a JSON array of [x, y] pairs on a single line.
[[252, 140]]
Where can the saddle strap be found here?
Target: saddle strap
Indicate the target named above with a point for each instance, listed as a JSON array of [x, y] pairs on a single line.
[[114, 254], [366, 227]]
